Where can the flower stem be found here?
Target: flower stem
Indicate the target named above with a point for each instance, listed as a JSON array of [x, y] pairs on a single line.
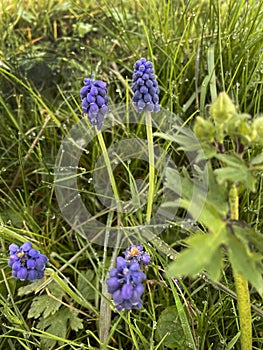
[[105, 311], [148, 120], [109, 169], [241, 284]]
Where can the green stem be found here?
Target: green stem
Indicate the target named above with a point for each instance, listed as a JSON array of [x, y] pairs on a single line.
[[109, 169], [105, 311], [241, 284], [148, 120]]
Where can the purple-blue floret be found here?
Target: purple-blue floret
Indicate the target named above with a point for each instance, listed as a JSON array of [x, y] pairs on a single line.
[[125, 281], [26, 262], [94, 101], [136, 253], [145, 87]]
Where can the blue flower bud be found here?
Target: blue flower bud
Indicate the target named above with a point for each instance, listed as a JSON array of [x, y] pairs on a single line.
[[113, 284], [100, 101], [22, 273], [32, 275], [90, 99], [121, 262], [31, 263], [34, 253], [127, 291], [16, 266], [26, 246], [117, 296], [13, 248]]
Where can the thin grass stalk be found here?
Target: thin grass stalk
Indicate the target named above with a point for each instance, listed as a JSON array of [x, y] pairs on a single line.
[[241, 284], [148, 120]]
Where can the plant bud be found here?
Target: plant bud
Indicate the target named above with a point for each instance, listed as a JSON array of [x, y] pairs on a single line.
[[258, 128], [222, 109], [204, 129]]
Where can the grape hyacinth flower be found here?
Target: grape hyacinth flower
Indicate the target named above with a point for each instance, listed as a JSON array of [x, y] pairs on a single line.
[[137, 254], [94, 100], [125, 281], [145, 87], [26, 262]]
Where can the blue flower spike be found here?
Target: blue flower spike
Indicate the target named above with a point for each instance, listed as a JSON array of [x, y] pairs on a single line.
[[125, 281], [145, 87], [26, 262], [94, 101]]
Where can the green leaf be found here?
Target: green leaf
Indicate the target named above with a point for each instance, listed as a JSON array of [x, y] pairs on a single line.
[[257, 160], [248, 236], [183, 316], [75, 322], [236, 175], [57, 325], [211, 218], [45, 304], [198, 257], [170, 328], [245, 263], [29, 288], [236, 171], [230, 159], [214, 199], [217, 194], [187, 140], [84, 287], [215, 265]]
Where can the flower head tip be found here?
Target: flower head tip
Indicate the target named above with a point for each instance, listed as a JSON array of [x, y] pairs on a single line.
[[145, 87], [94, 100]]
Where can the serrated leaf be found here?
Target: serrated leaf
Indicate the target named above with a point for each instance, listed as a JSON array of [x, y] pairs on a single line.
[[75, 322], [211, 218], [45, 304], [230, 159], [184, 188], [245, 263], [214, 196], [199, 255], [236, 174], [215, 265], [29, 288], [82, 285], [248, 235], [186, 139], [57, 325], [170, 328]]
